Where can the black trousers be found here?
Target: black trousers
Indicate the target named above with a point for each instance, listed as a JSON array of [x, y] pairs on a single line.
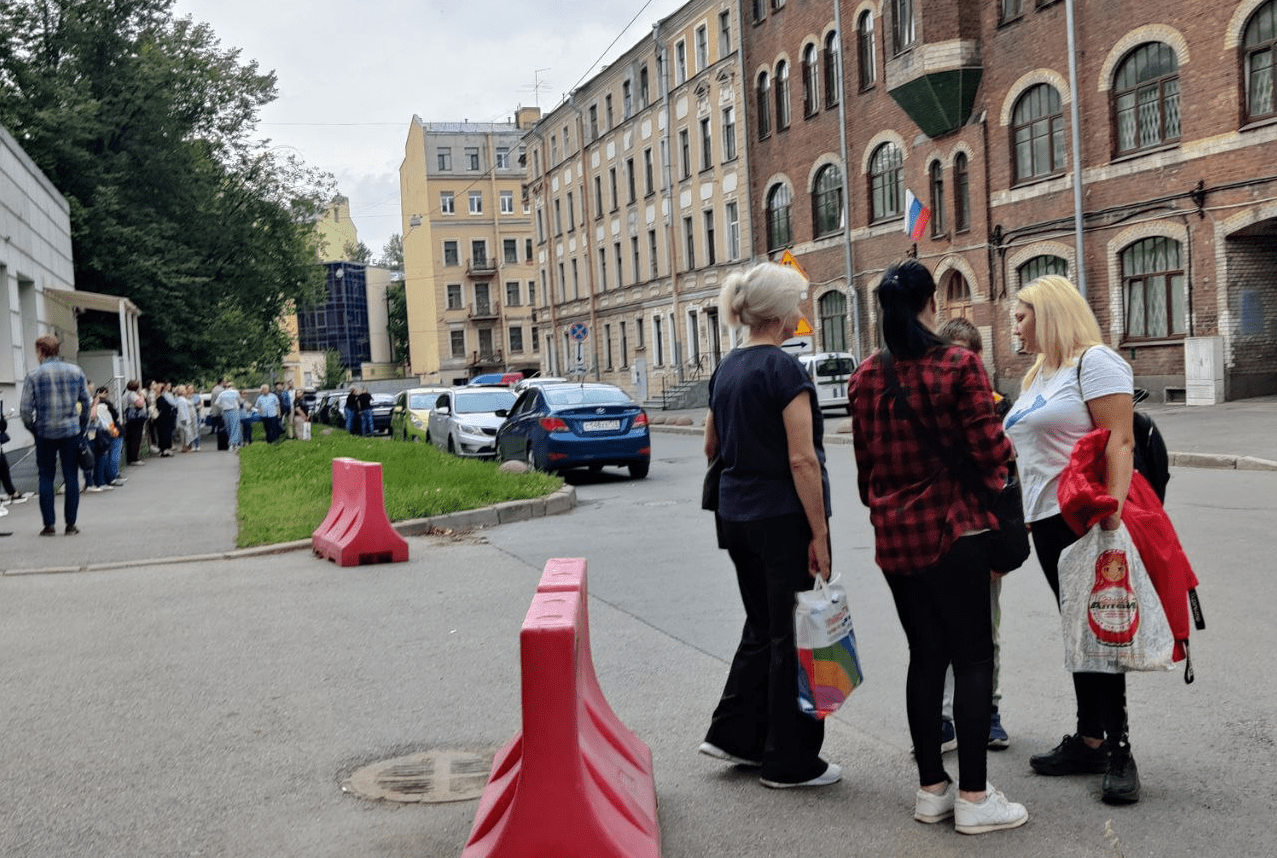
[[757, 717], [5, 479], [1101, 697], [946, 617], [133, 431]]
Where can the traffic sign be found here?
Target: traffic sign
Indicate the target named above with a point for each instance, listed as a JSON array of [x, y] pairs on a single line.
[[787, 258], [579, 331], [804, 327]]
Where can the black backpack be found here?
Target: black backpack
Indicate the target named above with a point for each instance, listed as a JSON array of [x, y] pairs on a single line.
[[1151, 458]]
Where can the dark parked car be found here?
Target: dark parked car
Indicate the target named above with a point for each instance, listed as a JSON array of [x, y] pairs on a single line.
[[554, 427], [382, 405]]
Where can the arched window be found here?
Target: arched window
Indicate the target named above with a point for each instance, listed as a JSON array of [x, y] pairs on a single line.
[[885, 186], [1037, 127], [764, 105], [1040, 266], [957, 296], [833, 70], [826, 201], [867, 53], [937, 198], [833, 321], [1259, 62], [782, 95], [811, 81], [961, 194], [1146, 98], [1153, 286], [779, 232]]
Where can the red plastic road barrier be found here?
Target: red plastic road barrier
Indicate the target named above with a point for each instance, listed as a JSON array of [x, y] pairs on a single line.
[[564, 787], [357, 530], [568, 574]]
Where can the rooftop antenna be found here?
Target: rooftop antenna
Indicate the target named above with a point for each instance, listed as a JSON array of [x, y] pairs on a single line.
[[537, 86]]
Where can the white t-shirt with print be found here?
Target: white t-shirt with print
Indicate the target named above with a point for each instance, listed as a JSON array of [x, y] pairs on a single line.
[[1051, 416]]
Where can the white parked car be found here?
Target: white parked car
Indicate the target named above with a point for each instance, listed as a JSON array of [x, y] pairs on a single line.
[[464, 420], [831, 371]]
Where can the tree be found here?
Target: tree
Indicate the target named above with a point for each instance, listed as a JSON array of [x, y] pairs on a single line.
[[392, 253], [357, 252], [145, 124], [334, 370], [397, 321]]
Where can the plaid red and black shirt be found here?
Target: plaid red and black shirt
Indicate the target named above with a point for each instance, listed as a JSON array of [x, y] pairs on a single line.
[[917, 506]]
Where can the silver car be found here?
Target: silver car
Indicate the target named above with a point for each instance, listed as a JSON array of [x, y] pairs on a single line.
[[464, 420]]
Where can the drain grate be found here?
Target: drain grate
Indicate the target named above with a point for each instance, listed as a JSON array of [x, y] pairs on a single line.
[[429, 777]]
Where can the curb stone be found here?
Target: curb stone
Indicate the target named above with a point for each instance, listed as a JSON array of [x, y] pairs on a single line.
[[557, 502]]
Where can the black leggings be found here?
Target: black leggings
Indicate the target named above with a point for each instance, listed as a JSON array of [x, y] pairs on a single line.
[[5, 479], [947, 619], [1101, 697]]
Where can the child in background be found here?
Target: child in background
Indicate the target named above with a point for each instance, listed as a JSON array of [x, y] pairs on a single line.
[[961, 332]]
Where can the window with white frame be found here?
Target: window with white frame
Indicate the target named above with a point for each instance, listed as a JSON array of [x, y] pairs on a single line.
[[446, 202], [503, 157], [886, 184], [724, 33], [454, 296], [811, 80], [729, 134], [476, 202], [680, 62], [732, 213], [707, 145], [507, 202], [833, 70], [867, 53], [763, 98], [782, 95], [702, 47], [444, 158], [904, 29], [472, 158]]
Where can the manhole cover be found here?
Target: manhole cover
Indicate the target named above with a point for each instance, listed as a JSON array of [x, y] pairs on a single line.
[[430, 777]]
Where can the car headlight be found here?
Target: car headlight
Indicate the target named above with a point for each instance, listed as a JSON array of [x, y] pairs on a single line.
[[469, 429]]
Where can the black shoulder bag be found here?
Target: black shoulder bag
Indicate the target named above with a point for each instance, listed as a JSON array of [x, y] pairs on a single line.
[[1009, 544]]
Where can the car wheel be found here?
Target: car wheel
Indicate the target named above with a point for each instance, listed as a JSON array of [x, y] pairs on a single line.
[[638, 470], [452, 448]]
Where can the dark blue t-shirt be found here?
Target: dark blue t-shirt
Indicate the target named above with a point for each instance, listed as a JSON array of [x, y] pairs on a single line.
[[748, 394]]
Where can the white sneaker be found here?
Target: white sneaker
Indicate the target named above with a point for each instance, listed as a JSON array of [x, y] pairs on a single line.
[[832, 775], [935, 807], [711, 750], [993, 814], [93, 489]]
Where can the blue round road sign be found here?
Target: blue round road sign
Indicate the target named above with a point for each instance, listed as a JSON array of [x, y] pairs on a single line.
[[579, 331]]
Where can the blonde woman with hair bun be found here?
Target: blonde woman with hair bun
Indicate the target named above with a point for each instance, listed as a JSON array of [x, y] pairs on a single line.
[[1075, 385], [772, 515]]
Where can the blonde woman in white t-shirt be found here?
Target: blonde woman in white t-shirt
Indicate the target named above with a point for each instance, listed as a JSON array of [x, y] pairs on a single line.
[[1058, 404]]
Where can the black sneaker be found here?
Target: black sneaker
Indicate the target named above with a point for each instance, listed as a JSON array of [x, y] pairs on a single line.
[[1122, 779], [1071, 757]]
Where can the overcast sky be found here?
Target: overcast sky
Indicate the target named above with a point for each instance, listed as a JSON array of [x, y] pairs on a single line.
[[352, 74]]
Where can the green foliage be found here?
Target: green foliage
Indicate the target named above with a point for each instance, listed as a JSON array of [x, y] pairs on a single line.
[[392, 253], [357, 252], [397, 321], [334, 370], [285, 489], [145, 123]]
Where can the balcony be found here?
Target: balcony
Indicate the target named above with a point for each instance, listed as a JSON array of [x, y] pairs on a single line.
[[485, 310], [480, 359], [481, 266]]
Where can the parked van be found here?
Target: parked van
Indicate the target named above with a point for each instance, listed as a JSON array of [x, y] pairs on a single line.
[[831, 371]]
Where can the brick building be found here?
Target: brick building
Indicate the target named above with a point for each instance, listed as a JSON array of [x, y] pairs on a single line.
[[969, 106]]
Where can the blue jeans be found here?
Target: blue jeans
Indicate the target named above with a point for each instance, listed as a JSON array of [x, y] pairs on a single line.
[[233, 430], [101, 459], [47, 453], [366, 418], [350, 421], [113, 462]]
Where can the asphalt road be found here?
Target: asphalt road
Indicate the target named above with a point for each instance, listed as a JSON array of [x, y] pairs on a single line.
[[214, 708]]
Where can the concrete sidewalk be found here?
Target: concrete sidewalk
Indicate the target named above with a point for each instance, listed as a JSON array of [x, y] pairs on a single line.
[[1240, 434]]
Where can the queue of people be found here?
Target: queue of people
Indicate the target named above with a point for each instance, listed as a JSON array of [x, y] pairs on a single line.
[[933, 526]]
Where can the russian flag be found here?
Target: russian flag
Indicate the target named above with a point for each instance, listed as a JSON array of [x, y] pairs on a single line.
[[916, 216]]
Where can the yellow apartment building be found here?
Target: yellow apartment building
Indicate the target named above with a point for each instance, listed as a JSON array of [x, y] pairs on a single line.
[[470, 278]]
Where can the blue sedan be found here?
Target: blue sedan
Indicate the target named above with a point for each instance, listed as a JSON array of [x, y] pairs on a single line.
[[554, 427]]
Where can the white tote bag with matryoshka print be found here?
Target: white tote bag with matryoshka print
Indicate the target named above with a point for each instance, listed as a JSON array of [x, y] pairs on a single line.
[[1111, 614]]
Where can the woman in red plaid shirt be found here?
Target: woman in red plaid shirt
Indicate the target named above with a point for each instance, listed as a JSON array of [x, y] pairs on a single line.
[[930, 536], [765, 426]]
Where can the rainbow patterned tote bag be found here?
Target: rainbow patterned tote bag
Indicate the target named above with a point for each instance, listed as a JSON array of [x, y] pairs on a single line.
[[828, 666]]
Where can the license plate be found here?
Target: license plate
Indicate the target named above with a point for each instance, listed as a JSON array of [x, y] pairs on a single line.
[[600, 425]]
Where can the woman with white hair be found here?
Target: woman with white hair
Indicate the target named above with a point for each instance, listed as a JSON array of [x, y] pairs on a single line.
[[765, 426]]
